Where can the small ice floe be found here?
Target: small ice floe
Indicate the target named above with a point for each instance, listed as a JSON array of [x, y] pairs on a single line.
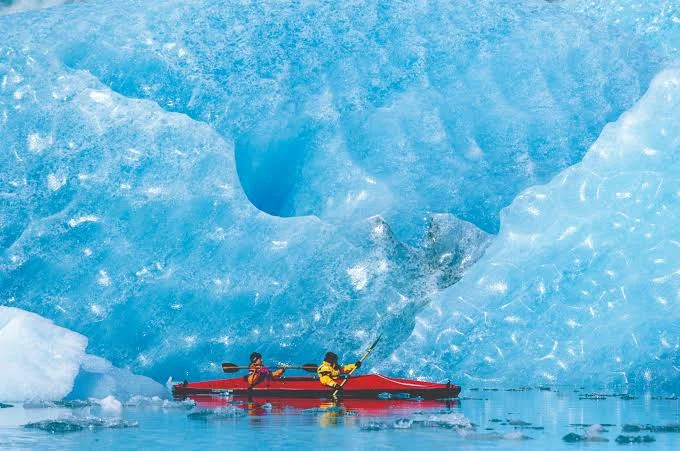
[[573, 437], [111, 404], [5, 406], [471, 434], [73, 424], [626, 439], [651, 428], [68, 404], [403, 423], [267, 406], [374, 426], [219, 413]]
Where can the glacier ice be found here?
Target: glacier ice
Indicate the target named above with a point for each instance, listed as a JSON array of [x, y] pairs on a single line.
[[655, 22], [148, 156], [15, 6], [361, 108], [42, 361], [582, 284], [128, 224]]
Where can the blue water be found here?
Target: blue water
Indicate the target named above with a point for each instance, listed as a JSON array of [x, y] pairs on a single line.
[[481, 420]]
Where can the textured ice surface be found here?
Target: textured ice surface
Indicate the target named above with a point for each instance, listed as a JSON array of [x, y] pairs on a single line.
[[15, 6], [39, 360], [341, 108], [130, 130], [657, 22], [582, 285], [42, 361], [76, 424], [127, 224]]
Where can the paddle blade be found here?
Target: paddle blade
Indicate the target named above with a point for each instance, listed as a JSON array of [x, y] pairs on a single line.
[[230, 368]]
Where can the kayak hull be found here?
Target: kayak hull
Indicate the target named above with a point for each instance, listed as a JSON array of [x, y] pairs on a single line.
[[371, 386]]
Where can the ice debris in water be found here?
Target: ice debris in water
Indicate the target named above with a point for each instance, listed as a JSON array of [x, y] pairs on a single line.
[[74, 424], [5, 406], [110, 404], [217, 414], [591, 434], [444, 420], [651, 428], [602, 253], [155, 401], [68, 404], [626, 439]]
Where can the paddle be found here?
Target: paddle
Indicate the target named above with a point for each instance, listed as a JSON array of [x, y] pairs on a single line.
[[368, 351], [232, 368]]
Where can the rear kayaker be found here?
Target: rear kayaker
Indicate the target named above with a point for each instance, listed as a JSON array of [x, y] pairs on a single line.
[[370, 386]]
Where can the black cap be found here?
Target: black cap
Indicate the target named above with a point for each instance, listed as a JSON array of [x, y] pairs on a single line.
[[331, 357], [254, 356]]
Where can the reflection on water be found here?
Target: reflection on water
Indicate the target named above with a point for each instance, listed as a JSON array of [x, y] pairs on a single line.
[[481, 419]]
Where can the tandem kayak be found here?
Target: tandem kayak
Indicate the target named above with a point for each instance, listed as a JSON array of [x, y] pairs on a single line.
[[370, 386]]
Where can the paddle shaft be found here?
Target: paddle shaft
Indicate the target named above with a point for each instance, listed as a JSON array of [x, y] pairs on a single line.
[[363, 357], [231, 368]]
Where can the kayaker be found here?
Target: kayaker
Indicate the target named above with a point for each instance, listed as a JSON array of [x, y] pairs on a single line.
[[329, 370], [257, 372]]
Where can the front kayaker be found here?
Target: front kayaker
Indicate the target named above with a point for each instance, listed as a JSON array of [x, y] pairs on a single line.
[[329, 370], [257, 372]]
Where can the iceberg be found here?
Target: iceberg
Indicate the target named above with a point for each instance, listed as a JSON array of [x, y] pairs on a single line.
[[44, 362], [188, 182], [582, 284], [39, 360]]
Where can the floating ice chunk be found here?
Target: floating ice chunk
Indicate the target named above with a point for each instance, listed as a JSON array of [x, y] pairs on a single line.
[[111, 404], [40, 360]]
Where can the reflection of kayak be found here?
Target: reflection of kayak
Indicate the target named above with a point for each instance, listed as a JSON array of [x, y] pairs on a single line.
[[278, 406], [370, 386]]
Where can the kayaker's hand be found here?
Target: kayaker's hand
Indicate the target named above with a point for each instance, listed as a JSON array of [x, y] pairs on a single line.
[[358, 364]]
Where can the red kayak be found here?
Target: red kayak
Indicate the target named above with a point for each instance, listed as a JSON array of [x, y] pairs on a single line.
[[370, 386]]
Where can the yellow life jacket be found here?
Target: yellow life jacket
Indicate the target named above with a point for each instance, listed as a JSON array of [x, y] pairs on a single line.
[[328, 373]]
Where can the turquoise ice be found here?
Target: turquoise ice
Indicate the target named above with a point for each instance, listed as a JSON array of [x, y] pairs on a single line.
[[581, 285], [183, 182]]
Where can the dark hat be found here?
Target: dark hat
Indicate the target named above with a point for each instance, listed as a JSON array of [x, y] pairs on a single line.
[[331, 357], [254, 356]]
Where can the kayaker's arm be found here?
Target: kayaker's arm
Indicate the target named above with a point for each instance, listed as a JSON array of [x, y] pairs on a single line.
[[349, 367]]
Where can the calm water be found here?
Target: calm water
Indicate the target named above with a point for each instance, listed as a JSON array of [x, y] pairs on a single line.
[[532, 419]]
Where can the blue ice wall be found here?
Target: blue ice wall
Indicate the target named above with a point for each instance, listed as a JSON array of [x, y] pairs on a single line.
[[158, 160], [582, 285], [655, 22], [358, 108], [127, 223]]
